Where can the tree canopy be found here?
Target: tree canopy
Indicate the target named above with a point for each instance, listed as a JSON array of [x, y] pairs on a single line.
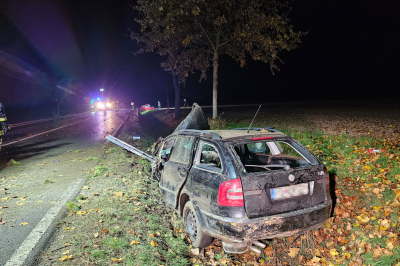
[[194, 33]]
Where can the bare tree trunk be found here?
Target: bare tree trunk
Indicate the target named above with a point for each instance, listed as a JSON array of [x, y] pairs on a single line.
[[177, 85], [215, 85]]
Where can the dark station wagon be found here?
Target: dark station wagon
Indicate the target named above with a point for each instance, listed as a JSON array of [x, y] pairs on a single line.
[[241, 186]]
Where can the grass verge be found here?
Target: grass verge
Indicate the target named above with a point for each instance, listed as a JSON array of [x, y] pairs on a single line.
[[115, 220]]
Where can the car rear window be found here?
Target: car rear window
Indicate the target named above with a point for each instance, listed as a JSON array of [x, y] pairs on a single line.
[[273, 155]]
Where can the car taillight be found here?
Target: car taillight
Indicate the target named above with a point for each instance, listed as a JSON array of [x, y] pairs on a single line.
[[230, 193]]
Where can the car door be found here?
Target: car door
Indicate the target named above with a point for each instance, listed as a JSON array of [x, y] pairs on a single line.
[[176, 169], [206, 174]]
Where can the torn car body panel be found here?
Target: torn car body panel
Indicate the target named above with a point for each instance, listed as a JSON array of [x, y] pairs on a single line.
[[195, 120]]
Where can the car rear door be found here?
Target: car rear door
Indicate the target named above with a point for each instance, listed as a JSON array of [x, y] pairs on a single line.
[[176, 169], [208, 172]]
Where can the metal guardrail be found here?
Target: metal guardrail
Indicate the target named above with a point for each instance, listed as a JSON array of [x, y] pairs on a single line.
[[130, 148]]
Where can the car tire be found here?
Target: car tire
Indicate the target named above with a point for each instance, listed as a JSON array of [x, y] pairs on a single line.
[[193, 227]]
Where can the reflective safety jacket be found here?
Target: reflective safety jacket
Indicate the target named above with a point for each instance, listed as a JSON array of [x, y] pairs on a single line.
[[3, 119]]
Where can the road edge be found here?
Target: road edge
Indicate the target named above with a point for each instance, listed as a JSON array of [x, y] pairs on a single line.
[[119, 127], [37, 238]]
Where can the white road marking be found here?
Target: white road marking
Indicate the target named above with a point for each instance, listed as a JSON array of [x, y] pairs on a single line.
[[9, 143], [21, 254]]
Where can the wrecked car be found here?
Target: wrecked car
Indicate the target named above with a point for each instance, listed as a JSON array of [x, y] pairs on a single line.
[[146, 107], [240, 186]]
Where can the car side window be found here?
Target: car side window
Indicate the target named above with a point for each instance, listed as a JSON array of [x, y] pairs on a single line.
[[167, 149], [208, 156], [182, 149]]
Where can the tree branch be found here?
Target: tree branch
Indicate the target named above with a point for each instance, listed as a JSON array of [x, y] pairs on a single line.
[[208, 37], [228, 41]]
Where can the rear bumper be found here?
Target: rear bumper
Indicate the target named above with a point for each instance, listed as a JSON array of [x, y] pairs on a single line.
[[281, 225]]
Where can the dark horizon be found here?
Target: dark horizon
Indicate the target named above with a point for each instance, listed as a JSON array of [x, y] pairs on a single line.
[[349, 53]]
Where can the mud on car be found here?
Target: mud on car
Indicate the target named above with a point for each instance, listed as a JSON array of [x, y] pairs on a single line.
[[241, 186]]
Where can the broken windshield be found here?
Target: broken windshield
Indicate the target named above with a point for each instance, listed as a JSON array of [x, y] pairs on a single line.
[[272, 155]]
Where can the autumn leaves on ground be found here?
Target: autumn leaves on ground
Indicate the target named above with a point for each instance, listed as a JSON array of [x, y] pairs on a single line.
[[120, 218]]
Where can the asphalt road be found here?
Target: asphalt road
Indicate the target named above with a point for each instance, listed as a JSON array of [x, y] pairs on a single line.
[[30, 143]]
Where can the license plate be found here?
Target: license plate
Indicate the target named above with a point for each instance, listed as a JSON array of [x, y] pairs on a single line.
[[289, 191]]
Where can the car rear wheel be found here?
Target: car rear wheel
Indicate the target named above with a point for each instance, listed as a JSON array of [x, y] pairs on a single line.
[[193, 227]]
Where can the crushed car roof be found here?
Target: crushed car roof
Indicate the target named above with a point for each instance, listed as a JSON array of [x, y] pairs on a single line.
[[229, 134]]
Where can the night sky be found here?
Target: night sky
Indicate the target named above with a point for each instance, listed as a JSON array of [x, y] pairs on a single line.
[[69, 49]]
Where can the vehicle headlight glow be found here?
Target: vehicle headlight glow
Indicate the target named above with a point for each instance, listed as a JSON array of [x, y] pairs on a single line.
[[100, 105], [108, 104]]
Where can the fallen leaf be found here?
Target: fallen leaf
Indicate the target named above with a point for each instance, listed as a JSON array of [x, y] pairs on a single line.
[[105, 230], [96, 235], [24, 223], [376, 252], [269, 251], [389, 244], [347, 255], [151, 235], [368, 248], [134, 242], [116, 260], [293, 252], [81, 212], [20, 204], [376, 191], [4, 199], [154, 244], [387, 252], [65, 257], [85, 188], [363, 218], [119, 194]]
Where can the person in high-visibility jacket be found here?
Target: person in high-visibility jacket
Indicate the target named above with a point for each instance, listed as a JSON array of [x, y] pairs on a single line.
[[3, 122]]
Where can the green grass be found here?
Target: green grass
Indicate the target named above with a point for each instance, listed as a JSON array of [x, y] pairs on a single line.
[[13, 162], [72, 206], [383, 260], [80, 197], [111, 150], [47, 181], [99, 170]]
